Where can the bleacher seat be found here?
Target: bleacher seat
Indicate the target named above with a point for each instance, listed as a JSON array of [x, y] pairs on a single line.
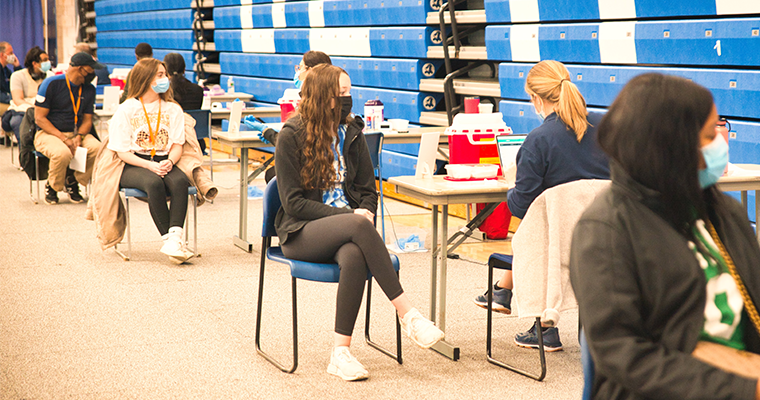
[[174, 39], [108, 7], [397, 103], [154, 20], [266, 90]]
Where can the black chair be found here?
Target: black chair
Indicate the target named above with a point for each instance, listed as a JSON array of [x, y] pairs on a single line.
[[316, 272], [375, 144], [203, 131], [504, 261]]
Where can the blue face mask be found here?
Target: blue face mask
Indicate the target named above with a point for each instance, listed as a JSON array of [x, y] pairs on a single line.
[[540, 114], [297, 81], [45, 66], [161, 86], [716, 159]]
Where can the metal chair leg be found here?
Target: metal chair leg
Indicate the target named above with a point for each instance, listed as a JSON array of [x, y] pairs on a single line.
[[128, 256], [489, 325], [367, 337], [266, 243]]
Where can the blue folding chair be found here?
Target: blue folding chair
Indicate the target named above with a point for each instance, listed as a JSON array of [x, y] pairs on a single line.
[[203, 131], [127, 193], [375, 144], [317, 272], [504, 261], [588, 367]]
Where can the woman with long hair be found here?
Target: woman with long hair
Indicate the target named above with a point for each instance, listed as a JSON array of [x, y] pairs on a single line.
[[188, 95], [24, 85], [147, 132], [563, 149], [664, 263], [327, 187]]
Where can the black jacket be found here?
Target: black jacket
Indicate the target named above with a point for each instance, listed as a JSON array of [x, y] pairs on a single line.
[[300, 206], [642, 294], [187, 94]]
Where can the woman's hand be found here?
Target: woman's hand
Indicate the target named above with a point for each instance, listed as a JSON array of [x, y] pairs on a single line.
[[166, 165], [366, 214], [156, 168]]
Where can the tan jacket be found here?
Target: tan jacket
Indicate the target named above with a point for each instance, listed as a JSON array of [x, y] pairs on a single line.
[[541, 248], [105, 206]]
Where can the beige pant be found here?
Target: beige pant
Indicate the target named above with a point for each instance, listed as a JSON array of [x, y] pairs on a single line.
[[60, 156]]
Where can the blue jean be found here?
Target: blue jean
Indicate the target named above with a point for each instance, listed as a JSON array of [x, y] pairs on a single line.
[[16, 125]]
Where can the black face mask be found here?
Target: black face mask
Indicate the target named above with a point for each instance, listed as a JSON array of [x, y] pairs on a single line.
[[89, 77], [345, 106]]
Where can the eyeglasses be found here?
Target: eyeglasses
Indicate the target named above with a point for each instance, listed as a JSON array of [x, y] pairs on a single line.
[[723, 123]]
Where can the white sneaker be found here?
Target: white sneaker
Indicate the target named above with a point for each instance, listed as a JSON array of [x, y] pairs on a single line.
[[346, 366], [173, 246], [421, 330]]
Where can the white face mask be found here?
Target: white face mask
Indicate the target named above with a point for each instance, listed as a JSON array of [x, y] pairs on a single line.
[[10, 59]]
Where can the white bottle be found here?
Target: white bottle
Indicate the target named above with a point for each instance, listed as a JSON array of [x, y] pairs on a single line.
[[230, 85]]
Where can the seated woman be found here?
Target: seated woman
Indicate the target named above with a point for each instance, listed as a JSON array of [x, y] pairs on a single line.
[[147, 132], [24, 85], [664, 259], [563, 149], [327, 188], [310, 59], [188, 95]]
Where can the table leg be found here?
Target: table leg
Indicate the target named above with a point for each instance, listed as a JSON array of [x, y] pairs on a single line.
[[744, 200], [443, 347], [434, 266], [242, 239]]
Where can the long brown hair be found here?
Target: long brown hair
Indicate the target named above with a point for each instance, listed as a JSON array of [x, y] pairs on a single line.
[[320, 124], [550, 81], [142, 76]]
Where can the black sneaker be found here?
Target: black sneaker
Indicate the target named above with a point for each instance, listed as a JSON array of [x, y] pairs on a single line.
[[502, 300], [530, 339], [72, 188], [51, 196]]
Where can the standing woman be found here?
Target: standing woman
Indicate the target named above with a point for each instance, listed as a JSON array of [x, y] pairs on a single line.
[[327, 187], [664, 263], [563, 149], [24, 85], [147, 132]]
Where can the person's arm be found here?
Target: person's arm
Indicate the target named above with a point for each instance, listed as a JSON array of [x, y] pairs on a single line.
[[288, 167], [605, 277], [18, 97], [529, 181], [364, 180], [17, 89]]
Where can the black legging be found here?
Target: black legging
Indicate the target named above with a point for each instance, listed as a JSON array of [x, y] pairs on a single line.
[[352, 241], [174, 185]]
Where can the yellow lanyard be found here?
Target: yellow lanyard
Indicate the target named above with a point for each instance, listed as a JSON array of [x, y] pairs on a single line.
[[150, 130], [74, 104]]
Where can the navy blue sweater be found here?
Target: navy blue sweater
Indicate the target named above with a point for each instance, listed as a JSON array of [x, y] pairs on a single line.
[[551, 156]]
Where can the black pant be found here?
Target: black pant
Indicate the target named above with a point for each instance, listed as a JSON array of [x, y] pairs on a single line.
[[352, 242], [173, 185]]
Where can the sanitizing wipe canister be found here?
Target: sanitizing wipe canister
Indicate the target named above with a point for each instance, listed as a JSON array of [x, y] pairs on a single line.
[[373, 115]]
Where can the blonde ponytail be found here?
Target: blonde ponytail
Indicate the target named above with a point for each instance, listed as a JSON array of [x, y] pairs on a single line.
[[550, 81]]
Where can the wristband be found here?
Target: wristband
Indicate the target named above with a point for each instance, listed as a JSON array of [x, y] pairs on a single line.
[[170, 160]]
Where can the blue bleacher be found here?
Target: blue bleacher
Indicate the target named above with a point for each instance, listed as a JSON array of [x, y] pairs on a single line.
[[397, 103], [498, 11], [126, 56], [392, 73], [736, 92], [108, 7], [265, 90], [175, 39], [174, 19], [261, 65], [397, 164], [406, 42], [297, 14]]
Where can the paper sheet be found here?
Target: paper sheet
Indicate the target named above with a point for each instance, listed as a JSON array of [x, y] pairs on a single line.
[[79, 161]]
